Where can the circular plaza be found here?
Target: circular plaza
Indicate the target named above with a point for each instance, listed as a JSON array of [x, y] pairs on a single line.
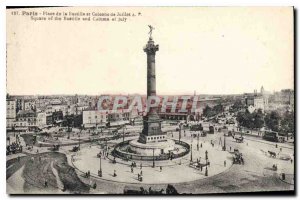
[[189, 167]]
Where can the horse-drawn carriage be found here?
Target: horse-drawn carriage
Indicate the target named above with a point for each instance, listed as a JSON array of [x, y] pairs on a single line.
[[75, 149], [239, 139], [238, 157], [197, 165], [13, 149], [55, 147], [272, 154]]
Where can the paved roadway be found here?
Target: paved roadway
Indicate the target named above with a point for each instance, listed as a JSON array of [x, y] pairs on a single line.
[[254, 175]]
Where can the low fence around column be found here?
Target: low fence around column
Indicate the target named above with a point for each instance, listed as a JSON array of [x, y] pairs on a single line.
[[76, 141], [117, 152]]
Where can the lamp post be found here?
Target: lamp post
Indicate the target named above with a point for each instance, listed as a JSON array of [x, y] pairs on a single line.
[[191, 152], [153, 165], [100, 171], [206, 158], [180, 126], [79, 142], [224, 147], [123, 133], [198, 141]]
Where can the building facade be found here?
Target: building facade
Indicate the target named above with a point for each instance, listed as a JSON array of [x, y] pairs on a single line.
[[93, 118], [11, 112]]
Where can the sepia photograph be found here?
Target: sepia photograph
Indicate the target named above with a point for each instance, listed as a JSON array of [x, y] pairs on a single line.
[[150, 100]]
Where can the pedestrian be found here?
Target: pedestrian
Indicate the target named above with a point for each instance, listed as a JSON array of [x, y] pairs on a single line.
[[160, 168], [201, 145], [224, 163], [115, 174], [141, 177], [230, 148], [141, 166], [46, 183], [141, 172], [291, 161], [131, 169], [276, 146], [95, 185], [138, 176]]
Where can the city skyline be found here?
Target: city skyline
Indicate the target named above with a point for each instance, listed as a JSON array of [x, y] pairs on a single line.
[[226, 54], [144, 94]]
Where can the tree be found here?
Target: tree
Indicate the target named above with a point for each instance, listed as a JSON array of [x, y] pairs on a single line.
[[272, 121], [210, 112], [238, 105], [288, 123], [258, 119], [207, 111], [251, 120]]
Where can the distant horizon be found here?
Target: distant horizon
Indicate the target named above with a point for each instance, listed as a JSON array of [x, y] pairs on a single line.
[[131, 94]]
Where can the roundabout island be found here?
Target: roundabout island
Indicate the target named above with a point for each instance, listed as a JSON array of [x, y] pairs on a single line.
[[184, 168]]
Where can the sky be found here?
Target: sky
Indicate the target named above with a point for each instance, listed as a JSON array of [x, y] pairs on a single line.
[[210, 50]]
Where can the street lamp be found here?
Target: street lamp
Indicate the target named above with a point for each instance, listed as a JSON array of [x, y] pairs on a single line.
[[191, 152], [79, 142], [198, 141], [224, 147], [206, 158], [123, 133], [100, 171], [153, 165], [180, 126]]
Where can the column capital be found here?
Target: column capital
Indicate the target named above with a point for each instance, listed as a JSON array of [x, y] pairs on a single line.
[[150, 47]]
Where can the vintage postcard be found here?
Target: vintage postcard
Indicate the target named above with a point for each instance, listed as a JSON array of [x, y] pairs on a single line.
[[150, 100]]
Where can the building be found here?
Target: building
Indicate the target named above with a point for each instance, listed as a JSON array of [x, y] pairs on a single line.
[[29, 105], [94, 118], [11, 112], [57, 117], [257, 100], [53, 107], [258, 103], [26, 120], [72, 121], [285, 96], [41, 119], [49, 119]]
